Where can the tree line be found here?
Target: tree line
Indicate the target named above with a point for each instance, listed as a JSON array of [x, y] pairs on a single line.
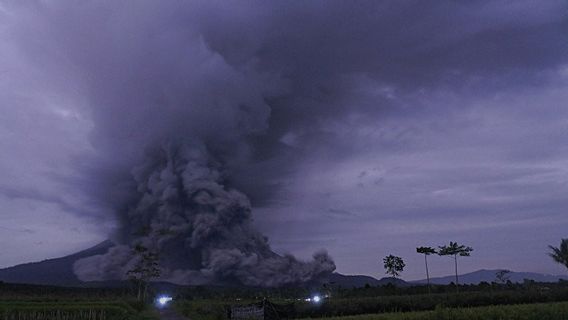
[[394, 265]]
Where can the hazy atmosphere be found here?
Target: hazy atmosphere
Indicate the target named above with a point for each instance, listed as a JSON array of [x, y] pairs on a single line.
[[336, 132]]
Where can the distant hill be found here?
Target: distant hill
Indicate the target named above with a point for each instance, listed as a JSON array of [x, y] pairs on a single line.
[[489, 276], [359, 281], [58, 272], [352, 281]]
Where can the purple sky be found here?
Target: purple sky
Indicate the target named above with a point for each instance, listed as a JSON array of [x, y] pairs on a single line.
[[367, 129]]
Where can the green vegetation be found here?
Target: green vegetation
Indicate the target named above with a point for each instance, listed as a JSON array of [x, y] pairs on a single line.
[[24, 310], [30, 302], [73, 310], [395, 308], [383, 304], [206, 309], [366, 301], [537, 311]]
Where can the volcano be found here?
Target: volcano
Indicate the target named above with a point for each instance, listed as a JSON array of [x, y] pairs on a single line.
[[58, 271]]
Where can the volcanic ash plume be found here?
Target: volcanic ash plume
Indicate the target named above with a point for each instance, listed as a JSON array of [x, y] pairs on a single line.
[[194, 108], [200, 228]]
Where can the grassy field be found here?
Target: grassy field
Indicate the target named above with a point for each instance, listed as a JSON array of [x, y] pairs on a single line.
[[424, 302], [537, 311], [34, 302], [532, 301], [75, 310], [216, 309], [206, 309]]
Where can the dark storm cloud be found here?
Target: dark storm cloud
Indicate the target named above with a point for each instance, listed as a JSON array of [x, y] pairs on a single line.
[[290, 67], [286, 99], [13, 193], [359, 62]]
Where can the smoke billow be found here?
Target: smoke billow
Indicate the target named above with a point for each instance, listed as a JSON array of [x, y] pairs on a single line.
[[200, 227], [172, 125]]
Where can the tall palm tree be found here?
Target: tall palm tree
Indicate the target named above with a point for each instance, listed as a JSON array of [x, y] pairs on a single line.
[[560, 254], [454, 249], [426, 251]]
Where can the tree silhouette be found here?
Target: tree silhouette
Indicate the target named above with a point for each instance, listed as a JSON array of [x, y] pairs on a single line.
[[394, 265], [426, 251], [145, 269], [560, 254], [503, 276], [454, 249]]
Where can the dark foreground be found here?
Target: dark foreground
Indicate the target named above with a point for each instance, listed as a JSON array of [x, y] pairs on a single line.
[[170, 314], [537, 311], [528, 301]]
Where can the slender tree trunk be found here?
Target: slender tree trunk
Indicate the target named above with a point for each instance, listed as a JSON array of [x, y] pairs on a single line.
[[145, 291], [456, 267], [139, 290], [427, 274]]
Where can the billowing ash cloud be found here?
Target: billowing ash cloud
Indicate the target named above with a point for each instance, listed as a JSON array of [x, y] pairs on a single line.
[[172, 124], [200, 227]]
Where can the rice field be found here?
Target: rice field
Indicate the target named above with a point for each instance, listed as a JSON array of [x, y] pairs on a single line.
[[100, 310], [536, 311]]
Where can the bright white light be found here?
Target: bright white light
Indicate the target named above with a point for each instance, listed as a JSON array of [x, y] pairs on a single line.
[[164, 300], [316, 299]]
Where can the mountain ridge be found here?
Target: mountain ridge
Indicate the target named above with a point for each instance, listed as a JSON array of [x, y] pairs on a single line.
[[489, 275], [56, 271]]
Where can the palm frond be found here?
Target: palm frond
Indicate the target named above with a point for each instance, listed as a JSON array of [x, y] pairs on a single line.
[[560, 254]]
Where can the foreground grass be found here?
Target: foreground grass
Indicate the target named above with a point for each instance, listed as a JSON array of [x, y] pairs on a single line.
[[537, 311], [82, 310], [407, 303], [339, 307], [204, 309]]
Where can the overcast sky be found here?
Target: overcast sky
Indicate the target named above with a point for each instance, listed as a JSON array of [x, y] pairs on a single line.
[[366, 128]]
